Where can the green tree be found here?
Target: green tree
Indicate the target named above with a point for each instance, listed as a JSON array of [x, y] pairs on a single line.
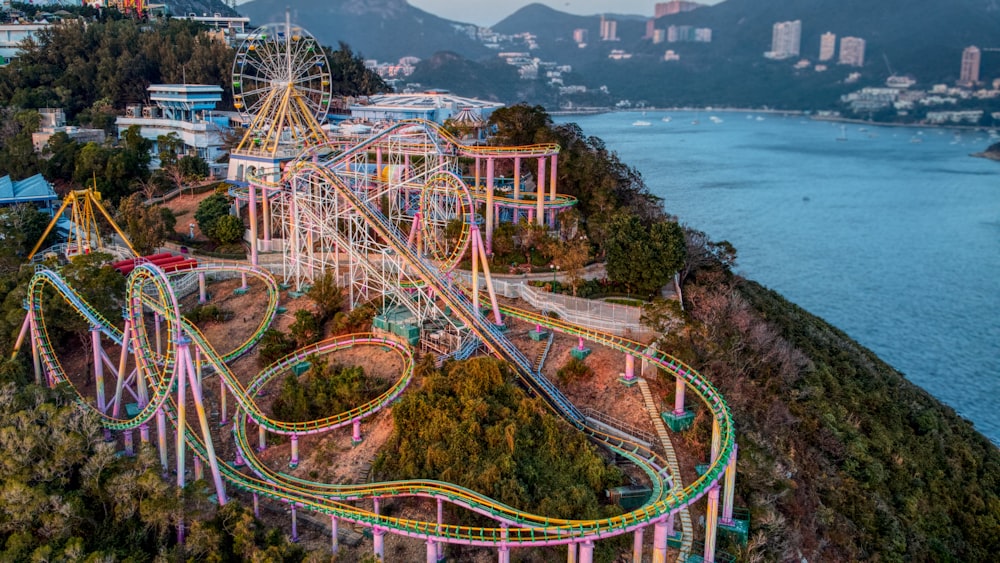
[[518, 124], [644, 257], [306, 329], [327, 295], [210, 210], [144, 225], [228, 229]]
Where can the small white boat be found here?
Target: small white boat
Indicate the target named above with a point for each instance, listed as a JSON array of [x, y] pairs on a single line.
[[715, 119], [641, 123], [759, 118], [666, 119]]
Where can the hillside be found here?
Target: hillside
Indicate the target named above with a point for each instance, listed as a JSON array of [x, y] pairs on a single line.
[[841, 457], [199, 7], [380, 29]]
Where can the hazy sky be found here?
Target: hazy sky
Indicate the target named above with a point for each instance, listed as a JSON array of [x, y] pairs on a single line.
[[489, 12]]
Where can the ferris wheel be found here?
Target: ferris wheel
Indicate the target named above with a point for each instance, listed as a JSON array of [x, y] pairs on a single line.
[[281, 73]]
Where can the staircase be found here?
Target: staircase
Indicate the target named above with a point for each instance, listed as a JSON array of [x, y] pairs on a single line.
[[540, 360], [687, 530]]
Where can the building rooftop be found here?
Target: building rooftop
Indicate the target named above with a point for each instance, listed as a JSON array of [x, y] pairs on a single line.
[[35, 188], [427, 100]]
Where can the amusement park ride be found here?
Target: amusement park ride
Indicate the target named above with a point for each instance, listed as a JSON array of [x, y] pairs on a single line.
[[392, 216]]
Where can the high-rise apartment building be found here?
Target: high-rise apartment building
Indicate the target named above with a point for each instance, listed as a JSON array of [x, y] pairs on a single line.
[[609, 29], [675, 7], [650, 28], [786, 40], [659, 36], [971, 58], [852, 51], [580, 36], [827, 46]]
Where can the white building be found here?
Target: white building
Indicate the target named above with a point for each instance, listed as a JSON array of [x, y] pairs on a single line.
[[786, 40], [852, 51], [233, 29], [188, 111], [827, 46], [609, 29], [54, 121], [432, 105], [13, 34]]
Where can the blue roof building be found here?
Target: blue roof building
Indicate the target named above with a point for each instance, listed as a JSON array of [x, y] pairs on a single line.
[[36, 190]]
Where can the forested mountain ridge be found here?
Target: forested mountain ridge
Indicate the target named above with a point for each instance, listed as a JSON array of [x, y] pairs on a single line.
[[382, 29]]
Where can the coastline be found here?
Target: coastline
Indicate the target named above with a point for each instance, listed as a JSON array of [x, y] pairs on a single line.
[[769, 111], [994, 156]]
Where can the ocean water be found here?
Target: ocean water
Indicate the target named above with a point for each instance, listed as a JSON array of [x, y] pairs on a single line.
[[892, 235]]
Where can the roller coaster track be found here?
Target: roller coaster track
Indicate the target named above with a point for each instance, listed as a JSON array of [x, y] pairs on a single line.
[[517, 528]]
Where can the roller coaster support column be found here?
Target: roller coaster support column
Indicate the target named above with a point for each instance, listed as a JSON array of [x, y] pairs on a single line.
[[223, 415], [202, 292], [295, 452], [503, 553], [184, 353], [243, 279], [199, 471], [553, 171], [266, 207], [122, 363], [679, 388], [711, 523], [378, 164], [262, 438], [36, 359], [477, 173], [161, 438], [540, 193], [356, 432], [479, 259], [637, 545], [440, 520], [334, 535], [517, 184], [181, 421], [378, 541], [629, 367], [127, 437], [252, 210], [660, 532], [256, 506], [571, 552], [432, 551], [716, 440], [489, 205], [156, 331], [295, 525], [95, 339], [587, 551], [727, 499]]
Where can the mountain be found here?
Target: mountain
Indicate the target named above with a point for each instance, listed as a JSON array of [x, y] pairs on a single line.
[[380, 29]]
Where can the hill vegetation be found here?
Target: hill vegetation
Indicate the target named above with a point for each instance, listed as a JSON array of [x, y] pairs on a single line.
[[470, 425], [841, 458]]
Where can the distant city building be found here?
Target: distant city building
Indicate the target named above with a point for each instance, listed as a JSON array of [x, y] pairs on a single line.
[[609, 29], [580, 36], [674, 7], [971, 58], [852, 51], [670, 55], [970, 117], [901, 82], [188, 111], [619, 55], [432, 105], [659, 36], [54, 121], [786, 40], [650, 28], [232, 30], [827, 46], [687, 33]]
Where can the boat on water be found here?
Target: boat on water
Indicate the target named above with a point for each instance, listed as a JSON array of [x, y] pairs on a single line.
[[666, 119], [759, 118], [843, 134], [715, 119], [641, 123]]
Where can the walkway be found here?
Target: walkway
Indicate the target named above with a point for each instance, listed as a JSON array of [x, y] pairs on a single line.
[[687, 530]]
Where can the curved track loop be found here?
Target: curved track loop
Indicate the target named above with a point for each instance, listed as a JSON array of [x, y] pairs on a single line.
[[516, 528]]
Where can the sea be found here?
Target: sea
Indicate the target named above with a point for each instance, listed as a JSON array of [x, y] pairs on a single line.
[[892, 234]]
